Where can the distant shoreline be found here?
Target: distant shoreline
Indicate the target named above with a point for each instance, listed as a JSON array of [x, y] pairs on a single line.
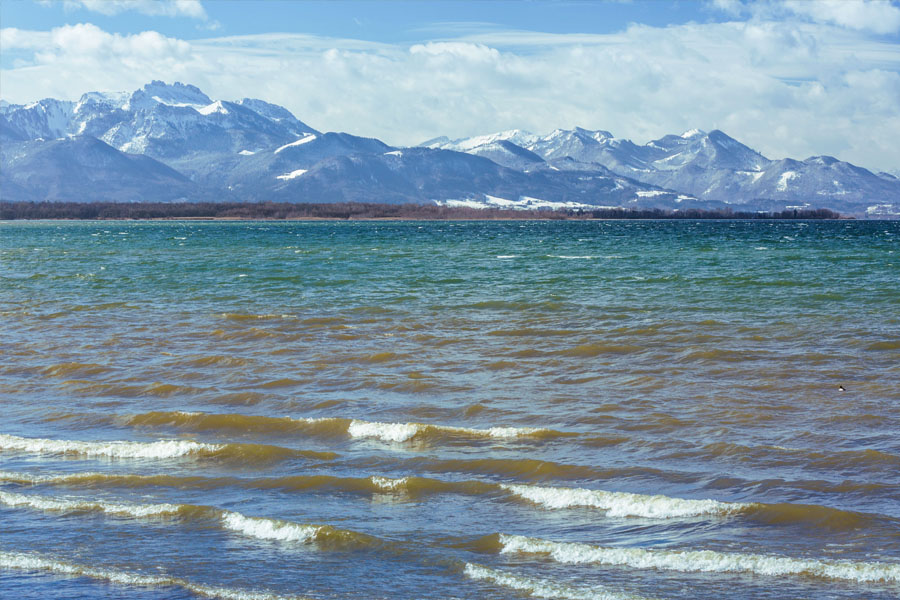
[[356, 211]]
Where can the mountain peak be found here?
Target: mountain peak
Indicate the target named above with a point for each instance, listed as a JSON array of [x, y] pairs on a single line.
[[695, 133], [176, 94], [822, 160], [267, 109], [598, 134]]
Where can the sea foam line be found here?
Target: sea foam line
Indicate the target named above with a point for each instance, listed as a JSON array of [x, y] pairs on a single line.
[[542, 588], [37, 562], [624, 504], [707, 561], [114, 449]]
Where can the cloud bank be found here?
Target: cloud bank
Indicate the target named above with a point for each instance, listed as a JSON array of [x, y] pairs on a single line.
[[823, 82]]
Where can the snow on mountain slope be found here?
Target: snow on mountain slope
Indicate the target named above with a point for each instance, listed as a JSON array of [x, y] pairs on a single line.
[[161, 120], [711, 166], [251, 149], [426, 175], [45, 119]]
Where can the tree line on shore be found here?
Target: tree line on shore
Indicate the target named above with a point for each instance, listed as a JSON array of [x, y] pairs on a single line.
[[359, 211]]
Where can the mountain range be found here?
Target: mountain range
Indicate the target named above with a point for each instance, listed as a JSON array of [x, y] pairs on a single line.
[[173, 143]]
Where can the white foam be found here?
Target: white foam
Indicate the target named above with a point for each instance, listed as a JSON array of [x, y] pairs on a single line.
[[257, 527], [403, 432], [36, 562], [388, 484], [624, 504], [66, 505], [541, 588], [388, 432], [115, 449], [269, 529], [706, 561]]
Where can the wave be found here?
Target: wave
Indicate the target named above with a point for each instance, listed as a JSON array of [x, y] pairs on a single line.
[[69, 369], [249, 453], [66, 505], [541, 588], [616, 504], [538, 470], [262, 528], [196, 421], [624, 504], [332, 427], [705, 561], [37, 562], [404, 432], [287, 531], [848, 459]]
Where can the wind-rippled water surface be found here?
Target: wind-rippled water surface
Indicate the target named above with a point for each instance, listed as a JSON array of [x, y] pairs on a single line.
[[406, 410]]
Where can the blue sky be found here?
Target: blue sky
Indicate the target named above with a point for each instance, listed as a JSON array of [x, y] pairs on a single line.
[[788, 78], [390, 22]]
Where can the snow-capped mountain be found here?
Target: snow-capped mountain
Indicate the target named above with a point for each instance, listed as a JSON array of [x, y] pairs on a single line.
[[172, 141], [160, 120], [709, 166]]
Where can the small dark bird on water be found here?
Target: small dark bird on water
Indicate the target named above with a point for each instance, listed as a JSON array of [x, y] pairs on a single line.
[[841, 388]]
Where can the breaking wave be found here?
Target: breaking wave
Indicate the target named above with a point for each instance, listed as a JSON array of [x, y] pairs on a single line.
[[249, 453], [332, 427], [37, 562], [542, 588], [616, 504], [624, 504], [706, 561], [404, 432], [256, 527], [65, 505]]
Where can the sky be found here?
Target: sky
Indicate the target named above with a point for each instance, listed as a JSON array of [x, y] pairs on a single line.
[[788, 78]]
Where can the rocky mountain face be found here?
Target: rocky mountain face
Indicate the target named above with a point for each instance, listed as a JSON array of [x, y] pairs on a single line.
[[172, 143]]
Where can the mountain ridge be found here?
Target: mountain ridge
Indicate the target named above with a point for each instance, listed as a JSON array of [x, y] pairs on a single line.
[[250, 149]]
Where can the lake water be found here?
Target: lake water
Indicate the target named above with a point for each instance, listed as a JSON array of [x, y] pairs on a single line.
[[404, 410]]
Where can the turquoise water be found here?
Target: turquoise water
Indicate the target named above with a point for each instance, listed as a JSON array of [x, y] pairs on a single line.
[[647, 409]]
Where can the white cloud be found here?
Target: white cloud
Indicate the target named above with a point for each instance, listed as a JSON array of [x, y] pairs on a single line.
[[878, 16], [164, 8], [788, 89]]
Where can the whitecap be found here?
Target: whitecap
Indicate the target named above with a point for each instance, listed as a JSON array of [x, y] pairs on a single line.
[[36, 562], [114, 449], [541, 588], [269, 529], [705, 561], [65, 505], [623, 504]]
